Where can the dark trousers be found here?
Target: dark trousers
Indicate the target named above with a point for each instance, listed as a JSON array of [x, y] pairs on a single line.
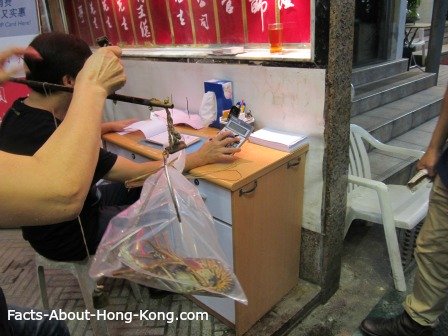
[[115, 198]]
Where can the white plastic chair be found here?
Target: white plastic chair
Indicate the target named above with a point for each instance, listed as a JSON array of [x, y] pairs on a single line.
[[80, 269], [390, 205]]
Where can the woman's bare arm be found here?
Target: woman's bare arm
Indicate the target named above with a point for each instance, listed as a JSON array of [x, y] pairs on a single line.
[[51, 186]]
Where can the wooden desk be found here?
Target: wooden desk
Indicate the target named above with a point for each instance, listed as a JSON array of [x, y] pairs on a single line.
[[256, 203]]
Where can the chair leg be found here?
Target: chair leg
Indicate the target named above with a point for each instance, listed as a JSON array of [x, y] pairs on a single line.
[[394, 256], [86, 285], [136, 291], [42, 287]]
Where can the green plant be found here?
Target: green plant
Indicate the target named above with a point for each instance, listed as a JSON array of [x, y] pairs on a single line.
[[414, 4], [411, 13]]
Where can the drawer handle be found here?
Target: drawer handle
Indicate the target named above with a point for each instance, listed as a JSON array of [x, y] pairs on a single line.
[[291, 164], [133, 156], [244, 192]]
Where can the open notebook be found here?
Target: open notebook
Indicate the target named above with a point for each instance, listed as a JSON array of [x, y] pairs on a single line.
[[162, 139], [155, 131]]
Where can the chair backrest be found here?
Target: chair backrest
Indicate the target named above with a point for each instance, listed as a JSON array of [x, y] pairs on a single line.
[[359, 164]]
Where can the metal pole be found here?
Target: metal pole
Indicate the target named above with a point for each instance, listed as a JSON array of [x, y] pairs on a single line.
[[153, 102], [439, 11]]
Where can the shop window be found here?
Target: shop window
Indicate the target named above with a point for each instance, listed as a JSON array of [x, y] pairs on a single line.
[[190, 25]]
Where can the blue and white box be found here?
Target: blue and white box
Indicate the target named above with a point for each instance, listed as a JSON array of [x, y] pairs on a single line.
[[224, 97]]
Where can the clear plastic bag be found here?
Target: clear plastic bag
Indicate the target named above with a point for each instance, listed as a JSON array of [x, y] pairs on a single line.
[[149, 244]]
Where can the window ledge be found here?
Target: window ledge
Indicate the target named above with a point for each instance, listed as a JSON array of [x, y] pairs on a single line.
[[288, 54]]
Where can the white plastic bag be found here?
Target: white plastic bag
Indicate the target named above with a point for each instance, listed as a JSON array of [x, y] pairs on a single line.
[[148, 244]]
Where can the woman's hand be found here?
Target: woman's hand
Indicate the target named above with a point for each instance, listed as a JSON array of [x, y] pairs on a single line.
[[15, 51], [116, 126], [104, 70], [214, 151]]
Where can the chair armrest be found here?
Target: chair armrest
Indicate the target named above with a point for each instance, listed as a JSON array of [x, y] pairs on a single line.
[[401, 150], [383, 197], [368, 183], [386, 148]]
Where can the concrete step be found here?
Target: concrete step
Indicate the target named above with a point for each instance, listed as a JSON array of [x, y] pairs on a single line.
[[398, 117], [376, 94], [373, 73]]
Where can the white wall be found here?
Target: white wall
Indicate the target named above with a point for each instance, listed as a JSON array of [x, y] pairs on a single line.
[[425, 11], [289, 99]]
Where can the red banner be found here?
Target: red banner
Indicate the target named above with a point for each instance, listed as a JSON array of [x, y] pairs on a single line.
[[142, 22], [188, 22], [125, 22], [230, 16], [180, 16], [204, 21], [110, 27], [82, 20], [259, 14], [162, 30], [96, 22], [295, 16]]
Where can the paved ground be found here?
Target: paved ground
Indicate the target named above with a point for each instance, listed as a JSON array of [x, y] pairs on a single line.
[[19, 282], [366, 286]]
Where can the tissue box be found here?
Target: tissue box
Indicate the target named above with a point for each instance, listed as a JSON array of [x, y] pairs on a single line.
[[224, 96]]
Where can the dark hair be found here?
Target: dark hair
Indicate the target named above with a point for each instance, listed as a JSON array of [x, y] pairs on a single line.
[[62, 54]]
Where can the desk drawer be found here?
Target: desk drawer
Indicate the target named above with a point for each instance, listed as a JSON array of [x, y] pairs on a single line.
[[125, 153], [217, 199], [223, 306]]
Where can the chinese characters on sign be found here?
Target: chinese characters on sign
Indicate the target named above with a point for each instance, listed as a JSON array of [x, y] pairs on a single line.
[[183, 32], [144, 33], [204, 22], [125, 22], [189, 22], [18, 17]]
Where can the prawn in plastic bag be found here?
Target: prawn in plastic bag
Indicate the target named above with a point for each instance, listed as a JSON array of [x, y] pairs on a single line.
[[157, 245]]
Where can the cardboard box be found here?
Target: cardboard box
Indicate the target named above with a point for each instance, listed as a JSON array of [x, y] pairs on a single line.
[[224, 96]]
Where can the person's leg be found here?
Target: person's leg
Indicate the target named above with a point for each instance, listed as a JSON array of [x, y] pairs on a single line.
[[115, 197], [44, 327], [430, 293]]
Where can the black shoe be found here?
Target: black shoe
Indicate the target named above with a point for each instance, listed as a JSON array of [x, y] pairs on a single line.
[[401, 325]]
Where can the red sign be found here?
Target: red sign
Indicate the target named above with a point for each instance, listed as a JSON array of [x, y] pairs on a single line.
[[96, 22], [204, 21], [230, 16], [110, 27], [259, 14], [162, 30], [142, 22], [295, 17], [124, 21], [189, 22], [82, 21], [180, 16]]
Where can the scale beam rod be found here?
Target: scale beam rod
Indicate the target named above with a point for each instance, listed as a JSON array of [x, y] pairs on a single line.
[[153, 102]]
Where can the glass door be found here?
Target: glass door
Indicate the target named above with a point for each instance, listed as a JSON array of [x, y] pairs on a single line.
[[373, 26]]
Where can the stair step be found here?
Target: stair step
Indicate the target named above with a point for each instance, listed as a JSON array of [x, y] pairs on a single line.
[[395, 169], [392, 120], [373, 73], [373, 95]]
